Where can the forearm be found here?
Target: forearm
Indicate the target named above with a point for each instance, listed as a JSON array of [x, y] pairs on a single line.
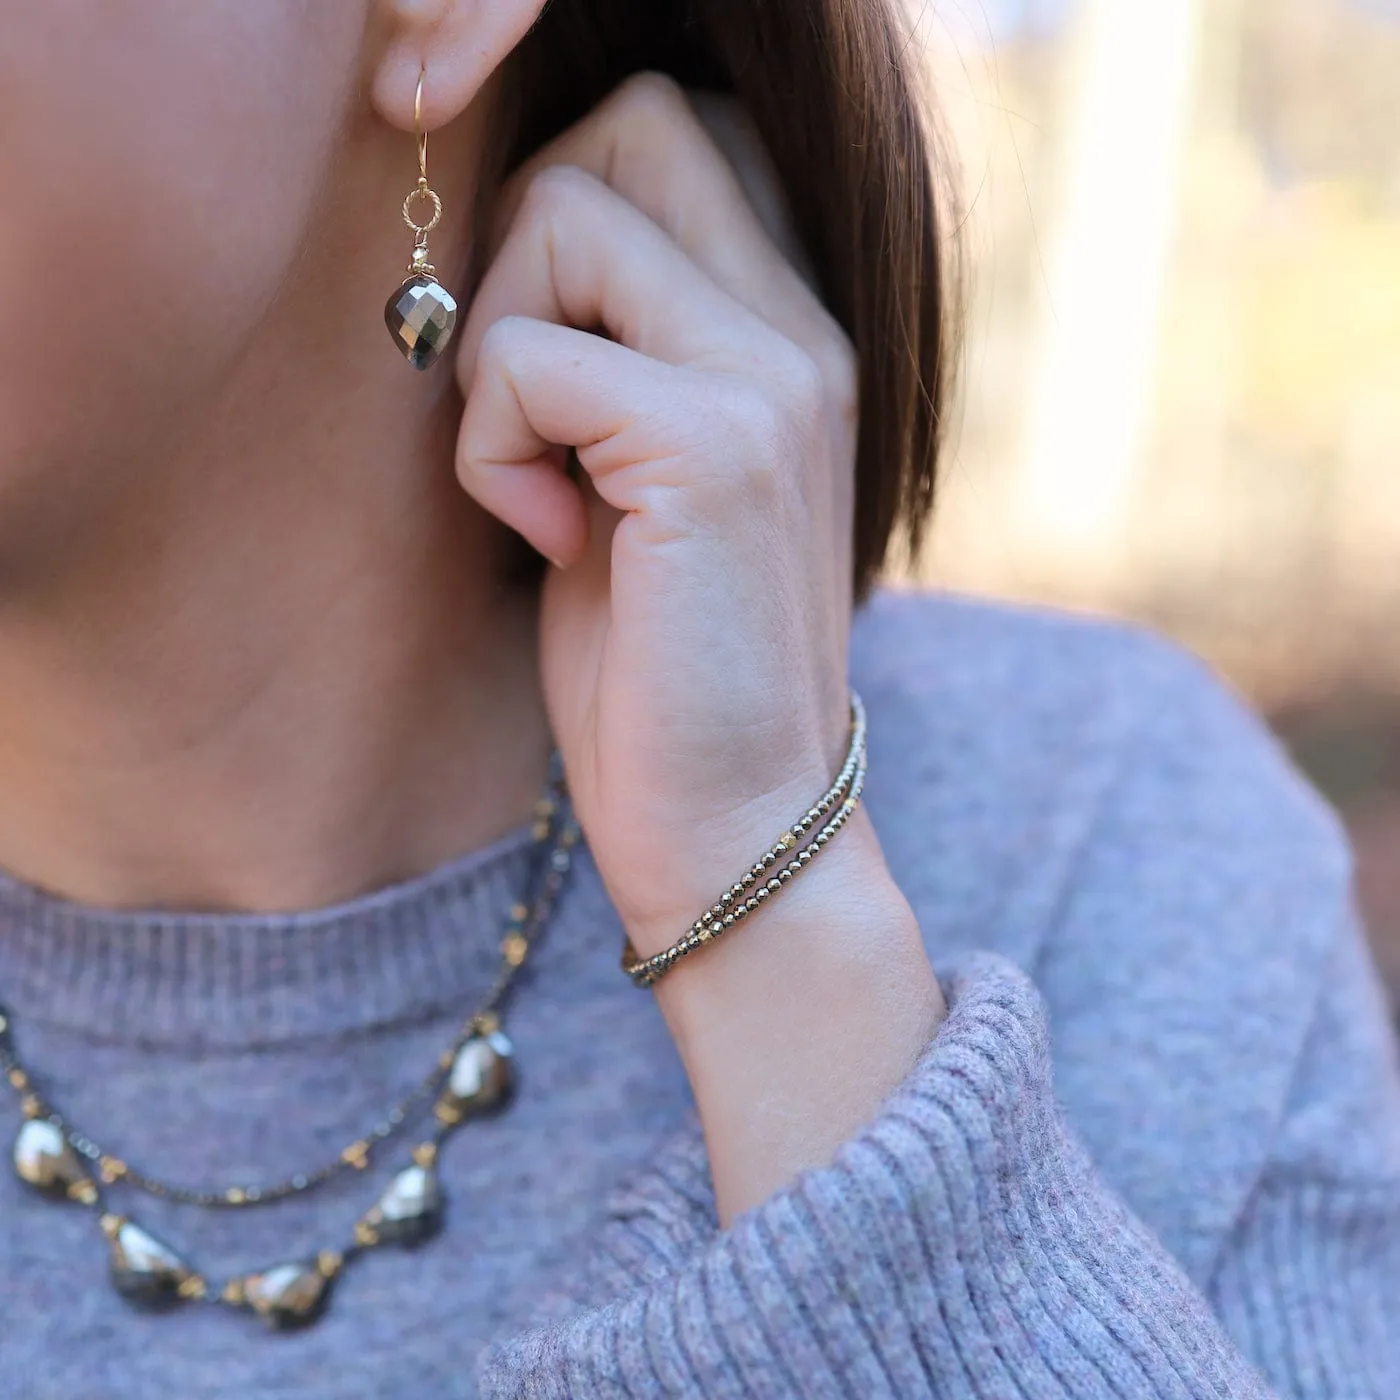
[[796, 1025]]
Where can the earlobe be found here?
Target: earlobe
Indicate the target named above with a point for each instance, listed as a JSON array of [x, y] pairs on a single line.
[[458, 44]]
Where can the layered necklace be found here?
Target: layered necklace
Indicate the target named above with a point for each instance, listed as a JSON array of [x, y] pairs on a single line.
[[474, 1075]]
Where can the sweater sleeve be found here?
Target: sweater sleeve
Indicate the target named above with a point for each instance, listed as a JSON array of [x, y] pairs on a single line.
[[964, 1245]]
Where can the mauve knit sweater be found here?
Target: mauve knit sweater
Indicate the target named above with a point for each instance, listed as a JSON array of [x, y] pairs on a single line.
[[1154, 1150]]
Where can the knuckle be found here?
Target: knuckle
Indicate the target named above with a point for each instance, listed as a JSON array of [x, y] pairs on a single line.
[[840, 371], [553, 189], [655, 96], [499, 343], [803, 381], [764, 431]]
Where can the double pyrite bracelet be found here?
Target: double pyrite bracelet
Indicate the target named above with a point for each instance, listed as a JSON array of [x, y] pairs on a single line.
[[733, 906]]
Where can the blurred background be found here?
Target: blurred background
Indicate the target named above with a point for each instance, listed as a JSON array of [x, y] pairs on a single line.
[[1180, 224]]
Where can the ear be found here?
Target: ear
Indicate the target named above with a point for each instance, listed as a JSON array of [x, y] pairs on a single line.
[[456, 44]]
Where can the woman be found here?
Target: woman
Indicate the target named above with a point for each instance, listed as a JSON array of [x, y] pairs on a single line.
[[285, 833]]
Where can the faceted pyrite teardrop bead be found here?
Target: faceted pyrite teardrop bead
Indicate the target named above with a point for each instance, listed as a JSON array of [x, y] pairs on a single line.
[[146, 1272], [409, 1212], [45, 1160], [291, 1295], [481, 1077], [420, 317]]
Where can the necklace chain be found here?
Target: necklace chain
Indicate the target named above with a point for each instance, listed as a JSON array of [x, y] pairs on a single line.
[[473, 1075]]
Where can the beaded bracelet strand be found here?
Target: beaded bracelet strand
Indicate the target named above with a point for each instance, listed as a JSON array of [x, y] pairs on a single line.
[[732, 907]]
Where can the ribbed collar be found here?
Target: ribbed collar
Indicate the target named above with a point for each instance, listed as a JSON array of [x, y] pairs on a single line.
[[241, 980]]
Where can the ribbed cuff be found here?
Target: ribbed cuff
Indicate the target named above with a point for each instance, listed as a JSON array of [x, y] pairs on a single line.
[[1311, 1280], [962, 1245]]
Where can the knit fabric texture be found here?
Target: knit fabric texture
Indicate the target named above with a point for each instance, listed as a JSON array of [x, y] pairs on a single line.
[[1154, 1150]]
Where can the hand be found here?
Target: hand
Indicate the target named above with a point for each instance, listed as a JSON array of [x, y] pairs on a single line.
[[694, 635]]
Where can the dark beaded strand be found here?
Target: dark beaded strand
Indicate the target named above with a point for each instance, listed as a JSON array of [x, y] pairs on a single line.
[[724, 913]]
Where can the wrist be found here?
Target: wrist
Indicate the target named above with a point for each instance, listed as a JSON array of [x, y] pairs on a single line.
[[841, 934], [795, 1026]]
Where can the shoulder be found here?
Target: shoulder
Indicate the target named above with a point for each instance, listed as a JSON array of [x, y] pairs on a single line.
[[1024, 742], [1091, 801]]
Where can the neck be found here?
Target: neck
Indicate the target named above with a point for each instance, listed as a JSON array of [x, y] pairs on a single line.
[[288, 674]]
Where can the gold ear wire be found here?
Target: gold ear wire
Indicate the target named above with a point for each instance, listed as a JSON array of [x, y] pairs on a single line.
[[420, 135], [422, 313]]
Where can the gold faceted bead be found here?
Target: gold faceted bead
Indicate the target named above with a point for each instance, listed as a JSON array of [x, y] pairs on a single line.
[[446, 1114], [486, 1023], [540, 830], [112, 1169], [31, 1106], [193, 1287], [356, 1155], [18, 1079], [328, 1263], [111, 1225], [365, 1235], [514, 948], [233, 1293], [84, 1191], [425, 1154], [519, 912], [235, 1196]]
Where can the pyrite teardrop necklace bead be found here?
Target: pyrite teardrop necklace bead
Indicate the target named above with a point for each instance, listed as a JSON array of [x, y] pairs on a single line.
[[409, 1212], [421, 316], [481, 1077], [45, 1160], [291, 1295], [146, 1272]]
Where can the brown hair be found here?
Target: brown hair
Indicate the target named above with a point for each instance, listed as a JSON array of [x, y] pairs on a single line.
[[836, 98]]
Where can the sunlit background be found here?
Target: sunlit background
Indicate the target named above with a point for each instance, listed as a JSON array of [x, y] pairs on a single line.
[[1181, 397]]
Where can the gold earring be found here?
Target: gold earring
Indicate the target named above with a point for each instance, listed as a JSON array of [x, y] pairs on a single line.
[[422, 313]]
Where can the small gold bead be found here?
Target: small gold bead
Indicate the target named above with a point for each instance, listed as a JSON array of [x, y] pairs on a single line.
[[233, 1293], [487, 1023], [514, 947], [518, 912], [356, 1155], [235, 1196], [193, 1287], [425, 1154], [31, 1106], [328, 1263], [446, 1114], [112, 1168], [19, 1079], [544, 807], [84, 1191], [365, 1235], [111, 1224], [540, 830], [705, 935]]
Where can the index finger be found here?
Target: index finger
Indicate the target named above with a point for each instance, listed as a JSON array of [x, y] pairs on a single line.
[[647, 143]]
